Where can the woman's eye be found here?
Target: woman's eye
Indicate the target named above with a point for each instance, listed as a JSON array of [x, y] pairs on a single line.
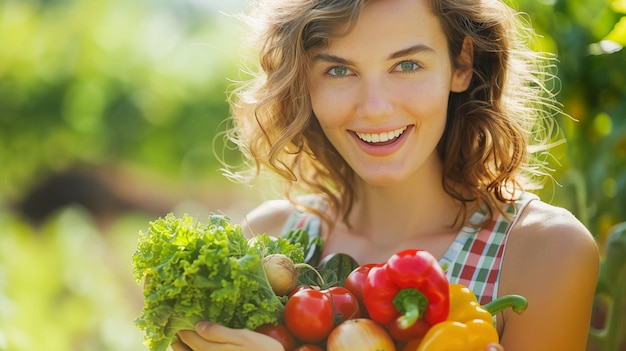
[[407, 66], [339, 71]]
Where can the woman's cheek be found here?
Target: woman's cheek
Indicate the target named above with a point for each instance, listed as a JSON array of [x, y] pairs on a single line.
[[331, 107]]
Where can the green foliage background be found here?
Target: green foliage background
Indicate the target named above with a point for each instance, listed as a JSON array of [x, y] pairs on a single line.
[[141, 85]]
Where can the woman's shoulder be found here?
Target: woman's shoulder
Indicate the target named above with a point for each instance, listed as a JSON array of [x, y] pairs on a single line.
[[273, 217], [269, 217], [545, 222], [552, 231]]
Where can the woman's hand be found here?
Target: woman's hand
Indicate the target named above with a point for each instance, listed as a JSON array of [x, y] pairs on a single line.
[[213, 337], [494, 347]]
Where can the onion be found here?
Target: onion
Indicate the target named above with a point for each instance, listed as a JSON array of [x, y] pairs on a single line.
[[281, 273], [360, 334]]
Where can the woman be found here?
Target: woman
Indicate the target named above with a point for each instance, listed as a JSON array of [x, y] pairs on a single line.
[[409, 123]]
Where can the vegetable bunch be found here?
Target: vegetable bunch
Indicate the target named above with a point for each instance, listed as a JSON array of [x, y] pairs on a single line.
[[193, 271]]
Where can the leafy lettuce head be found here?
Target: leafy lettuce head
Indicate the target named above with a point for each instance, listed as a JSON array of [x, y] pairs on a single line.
[[192, 271]]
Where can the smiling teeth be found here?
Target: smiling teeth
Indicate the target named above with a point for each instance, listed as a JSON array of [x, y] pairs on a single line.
[[380, 137]]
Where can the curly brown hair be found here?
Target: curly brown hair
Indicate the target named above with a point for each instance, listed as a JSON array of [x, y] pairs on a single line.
[[491, 127]]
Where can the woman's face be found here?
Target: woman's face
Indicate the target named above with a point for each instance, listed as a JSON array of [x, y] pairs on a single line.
[[381, 93]]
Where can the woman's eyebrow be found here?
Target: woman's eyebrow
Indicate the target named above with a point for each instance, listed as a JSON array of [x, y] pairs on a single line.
[[332, 59], [415, 49]]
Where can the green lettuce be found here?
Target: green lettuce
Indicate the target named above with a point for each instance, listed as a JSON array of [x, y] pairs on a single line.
[[191, 271]]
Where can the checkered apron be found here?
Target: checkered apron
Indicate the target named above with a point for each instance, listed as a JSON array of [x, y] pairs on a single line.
[[475, 257]]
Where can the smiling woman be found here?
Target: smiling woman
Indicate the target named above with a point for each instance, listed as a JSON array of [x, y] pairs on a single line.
[[410, 124]]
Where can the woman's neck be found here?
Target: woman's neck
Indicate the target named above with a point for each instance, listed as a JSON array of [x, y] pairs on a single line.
[[417, 206]]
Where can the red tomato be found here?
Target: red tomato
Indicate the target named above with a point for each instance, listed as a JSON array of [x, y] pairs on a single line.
[[309, 315], [356, 280], [416, 331], [308, 347], [345, 305], [280, 333]]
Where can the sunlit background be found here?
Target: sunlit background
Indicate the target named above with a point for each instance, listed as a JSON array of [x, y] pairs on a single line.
[[109, 117]]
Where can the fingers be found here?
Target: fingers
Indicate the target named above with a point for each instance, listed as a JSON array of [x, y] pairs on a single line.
[[194, 341], [179, 346], [219, 334], [494, 347], [236, 337], [212, 336]]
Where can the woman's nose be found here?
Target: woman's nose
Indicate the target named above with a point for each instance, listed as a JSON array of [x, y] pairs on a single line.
[[374, 99]]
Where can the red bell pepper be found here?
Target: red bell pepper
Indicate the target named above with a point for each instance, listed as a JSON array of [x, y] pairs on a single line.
[[409, 286]]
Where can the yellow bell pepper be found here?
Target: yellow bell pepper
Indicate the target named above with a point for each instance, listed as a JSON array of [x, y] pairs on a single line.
[[472, 335], [464, 306], [469, 326]]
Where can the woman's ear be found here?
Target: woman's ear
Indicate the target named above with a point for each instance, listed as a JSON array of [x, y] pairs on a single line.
[[463, 72]]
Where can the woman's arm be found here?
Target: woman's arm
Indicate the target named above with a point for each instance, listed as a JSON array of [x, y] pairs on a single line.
[[553, 261]]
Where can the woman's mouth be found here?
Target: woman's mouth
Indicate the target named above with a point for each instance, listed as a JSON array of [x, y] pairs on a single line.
[[381, 138]]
